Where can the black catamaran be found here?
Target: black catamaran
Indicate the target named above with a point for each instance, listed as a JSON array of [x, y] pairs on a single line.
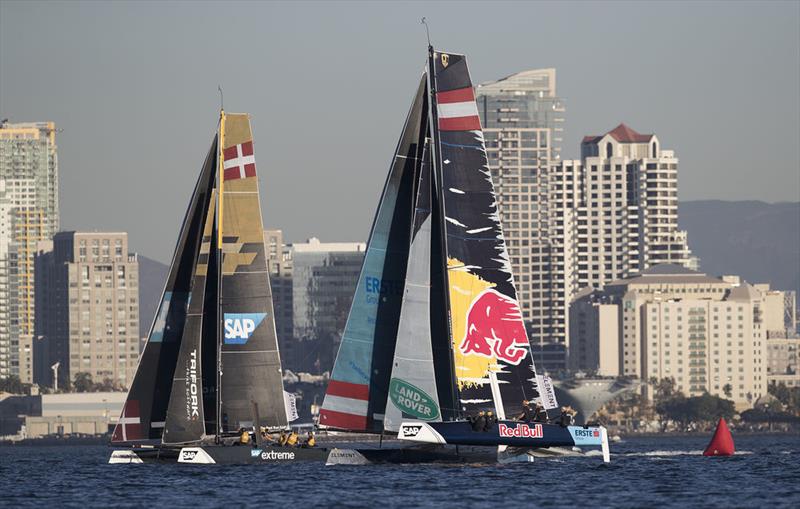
[[435, 333], [211, 365]]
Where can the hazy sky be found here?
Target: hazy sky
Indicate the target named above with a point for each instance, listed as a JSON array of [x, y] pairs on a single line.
[[134, 87]]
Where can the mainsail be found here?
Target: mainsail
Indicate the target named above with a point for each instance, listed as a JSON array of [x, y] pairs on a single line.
[[493, 362], [444, 335], [250, 364]]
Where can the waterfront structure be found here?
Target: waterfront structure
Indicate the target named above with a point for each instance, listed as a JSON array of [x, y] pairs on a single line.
[[709, 334], [28, 214], [88, 308], [324, 276], [522, 119]]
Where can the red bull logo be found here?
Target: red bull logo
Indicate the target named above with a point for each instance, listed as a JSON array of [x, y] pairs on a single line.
[[521, 431], [495, 329]]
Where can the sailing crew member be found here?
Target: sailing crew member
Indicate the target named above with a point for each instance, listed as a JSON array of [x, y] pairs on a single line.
[[244, 439], [291, 441], [479, 422], [539, 413], [527, 414], [310, 441], [491, 419], [565, 419], [282, 438]]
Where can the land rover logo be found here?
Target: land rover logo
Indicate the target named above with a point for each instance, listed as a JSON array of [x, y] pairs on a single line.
[[410, 431], [188, 455], [412, 400]]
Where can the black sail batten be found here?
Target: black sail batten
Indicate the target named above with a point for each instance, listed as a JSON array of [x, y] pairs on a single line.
[[492, 359], [186, 413], [144, 413], [356, 395], [249, 357]]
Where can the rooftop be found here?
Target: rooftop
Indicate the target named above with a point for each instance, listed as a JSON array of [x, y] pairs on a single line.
[[668, 274], [623, 134]]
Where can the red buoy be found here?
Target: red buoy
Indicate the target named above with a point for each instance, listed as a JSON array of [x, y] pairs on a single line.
[[722, 443]]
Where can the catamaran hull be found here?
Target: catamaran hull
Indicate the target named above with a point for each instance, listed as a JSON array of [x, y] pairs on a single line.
[[414, 454], [140, 455], [506, 433], [243, 455]]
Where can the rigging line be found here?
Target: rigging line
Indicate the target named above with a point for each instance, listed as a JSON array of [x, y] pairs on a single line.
[[427, 32], [221, 98]]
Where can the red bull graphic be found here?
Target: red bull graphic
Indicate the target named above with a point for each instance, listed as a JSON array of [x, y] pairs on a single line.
[[495, 328], [520, 431]]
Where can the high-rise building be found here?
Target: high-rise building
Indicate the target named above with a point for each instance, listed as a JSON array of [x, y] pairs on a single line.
[[279, 262], [28, 214], [522, 119], [88, 308], [708, 333], [628, 208], [324, 277]]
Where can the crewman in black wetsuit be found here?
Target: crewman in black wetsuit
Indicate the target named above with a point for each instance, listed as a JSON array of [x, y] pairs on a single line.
[[565, 419], [539, 414], [526, 415], [479, 422], [491, 419]]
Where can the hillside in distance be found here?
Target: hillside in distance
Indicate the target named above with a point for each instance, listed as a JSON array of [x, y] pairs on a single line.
[[152, 275], [755, 240]]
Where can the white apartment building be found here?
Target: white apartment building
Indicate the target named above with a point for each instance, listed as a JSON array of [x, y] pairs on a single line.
[[707, 333]]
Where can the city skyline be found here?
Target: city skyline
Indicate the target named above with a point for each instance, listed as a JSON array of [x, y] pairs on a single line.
[[326, 93]]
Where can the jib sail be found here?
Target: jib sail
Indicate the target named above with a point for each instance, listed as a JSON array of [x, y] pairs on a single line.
[[186, 413], [412, 388], [145, 408], [359, 385]]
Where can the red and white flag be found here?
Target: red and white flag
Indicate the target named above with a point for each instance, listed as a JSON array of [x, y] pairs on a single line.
[[129, 425], [239, 161], [457, 110]]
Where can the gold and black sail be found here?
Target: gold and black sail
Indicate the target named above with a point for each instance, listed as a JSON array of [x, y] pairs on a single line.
[[250, 380]]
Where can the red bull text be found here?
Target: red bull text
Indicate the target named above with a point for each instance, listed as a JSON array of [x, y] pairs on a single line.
[[495, 328], [521, 431]]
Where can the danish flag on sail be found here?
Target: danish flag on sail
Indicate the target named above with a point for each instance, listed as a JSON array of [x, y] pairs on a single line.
[[345, 406], [129, 425], [239, 161], [457, 110]]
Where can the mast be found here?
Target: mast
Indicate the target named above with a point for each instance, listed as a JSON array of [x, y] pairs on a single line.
[[433, 119], [218, 230]]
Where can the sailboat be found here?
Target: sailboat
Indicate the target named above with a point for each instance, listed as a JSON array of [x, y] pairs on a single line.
[[435, 333], [211, 366]]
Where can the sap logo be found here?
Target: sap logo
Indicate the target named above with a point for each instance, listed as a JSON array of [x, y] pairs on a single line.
[[188, 455], [239, 326], [255, 453], [410, 431]]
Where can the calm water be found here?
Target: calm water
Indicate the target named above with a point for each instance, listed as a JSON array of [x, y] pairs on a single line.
[[644, 472]]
